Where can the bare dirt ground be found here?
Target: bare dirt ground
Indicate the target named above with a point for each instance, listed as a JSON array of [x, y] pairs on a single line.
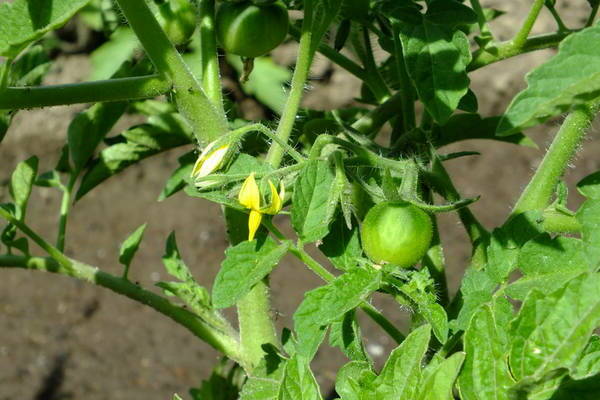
[[64, 339]]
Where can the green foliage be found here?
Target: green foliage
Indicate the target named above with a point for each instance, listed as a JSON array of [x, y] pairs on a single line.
[[522, 323]]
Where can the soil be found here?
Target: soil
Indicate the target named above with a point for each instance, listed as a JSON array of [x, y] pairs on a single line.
[[64, 339]]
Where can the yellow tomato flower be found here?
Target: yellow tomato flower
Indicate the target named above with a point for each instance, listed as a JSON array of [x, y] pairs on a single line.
[[249, 197], [210, 160]]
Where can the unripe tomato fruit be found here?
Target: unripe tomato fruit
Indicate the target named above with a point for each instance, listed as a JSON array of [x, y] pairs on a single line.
[[250, 30], [397, 233]]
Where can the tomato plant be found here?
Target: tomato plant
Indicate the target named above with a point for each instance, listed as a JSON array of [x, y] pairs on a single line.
[[251, 30], [362, 181], [397, 233]]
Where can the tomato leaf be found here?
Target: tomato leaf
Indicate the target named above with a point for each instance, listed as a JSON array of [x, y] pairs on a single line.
[[173, 262], [552, 330], [342, 245], [130, 245], [401, 374], [264, 382], [436, 58], [313, 201], [569, 79], [298, 382], [345, 334], [589, 217], [485, 374], [547, 264], [324, 305], [590, 186], [438, 378], [21, 182], [354, 380], [24, 21], [108, 58], [245, 265], [589, 364]]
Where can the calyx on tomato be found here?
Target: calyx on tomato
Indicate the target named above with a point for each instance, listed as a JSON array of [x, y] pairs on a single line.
[[251, 30], [396, 232]]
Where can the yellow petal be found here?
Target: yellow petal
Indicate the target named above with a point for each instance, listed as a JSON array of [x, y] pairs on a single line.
[[276, 201], [253, 223], [209, 161], [249, 195]]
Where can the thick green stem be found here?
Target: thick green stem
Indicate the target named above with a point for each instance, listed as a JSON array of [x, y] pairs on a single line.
[[521, 36], [504, 50], [211, 79], [540, 189], [288, 117], [141, 87], [221, 341], [208, 122]]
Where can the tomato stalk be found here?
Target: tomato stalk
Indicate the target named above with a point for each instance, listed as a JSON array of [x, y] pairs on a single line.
[[211, 79], [540, 188], [208, 122]]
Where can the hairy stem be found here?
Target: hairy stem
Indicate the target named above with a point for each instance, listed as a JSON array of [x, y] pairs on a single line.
[[211, 79], [224, 342], [522, 34], [140, 87], [406, 89], [504, 50], [208, 122], [540, 189], [288, 117]]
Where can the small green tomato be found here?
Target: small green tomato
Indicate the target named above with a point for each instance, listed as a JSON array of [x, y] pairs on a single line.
[[251, 30], [178, 19], [397, 233]]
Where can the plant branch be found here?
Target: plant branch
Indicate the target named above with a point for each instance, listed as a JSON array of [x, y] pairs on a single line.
[[504, 50], [540, 189], [224, 342], [522, 34], [406, 89], [593, 13], [208, 122], [211, 79], [139, 87], [288, 117], [65, 207]]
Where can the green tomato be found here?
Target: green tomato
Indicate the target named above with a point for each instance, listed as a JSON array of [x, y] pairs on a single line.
[[397, 233], [178, 19], [250, 30]]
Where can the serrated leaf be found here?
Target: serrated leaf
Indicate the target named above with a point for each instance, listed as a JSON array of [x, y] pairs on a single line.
[[173, 262], [24, 21], [438, 380], [313, 201], [264, 382], [342, 245], [131, 245], [547, 264], [588, 216], [324, 305], [89, 127], [21, 182], [436, 62], [245, 265], [590, 186], [345, 334], [192, 294], [485, 374], [318, 15], [400, 376], [299, 382], [224, 383], [569, 79], [551, 330], [354, 380], [477, 288]]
